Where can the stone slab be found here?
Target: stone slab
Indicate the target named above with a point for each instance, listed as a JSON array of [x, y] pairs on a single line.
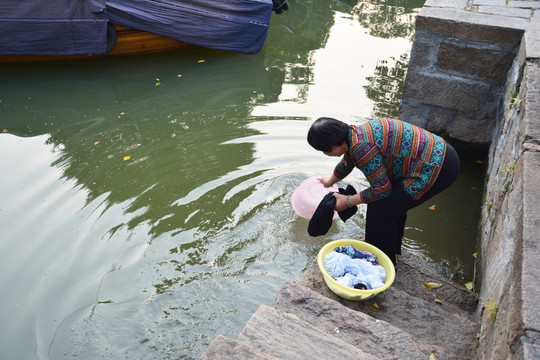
[[437, 324], [499, 3], [472, 26], [223, 348], [354, 327], [455, 4], [285, 336], [532, 39], [482, 63], [505, 11], [531, 254], [474, 132], [524, 4], [531, 102], [451, 93]]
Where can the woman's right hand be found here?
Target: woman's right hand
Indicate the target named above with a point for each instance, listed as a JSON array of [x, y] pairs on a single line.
[[327, 181]]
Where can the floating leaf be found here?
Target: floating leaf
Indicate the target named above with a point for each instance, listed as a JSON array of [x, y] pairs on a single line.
[[122, 113], [479, 162], [201, 61], [96, 143], [475, 255], [179, 75], [437, 301], [431, 285], [374, 307], [5, 130], [469, 285], [432, 207], [432, 357], [474, 188], [126, 158]]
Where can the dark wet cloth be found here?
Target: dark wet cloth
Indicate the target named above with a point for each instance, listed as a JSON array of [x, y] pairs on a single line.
[[321, 221]]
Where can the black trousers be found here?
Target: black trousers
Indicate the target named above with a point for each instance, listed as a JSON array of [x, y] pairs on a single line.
[[385, 219]]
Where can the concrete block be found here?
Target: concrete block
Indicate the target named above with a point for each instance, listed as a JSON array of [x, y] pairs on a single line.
[[489, 2], [421, 55], [286, 336], [438, 122], [524, 4], [472, 26], [532, 39], [223, 348], [447, 92], [505, 11], [475, 132], [531, 247], [456, 4], [531, 102], [482, 63]]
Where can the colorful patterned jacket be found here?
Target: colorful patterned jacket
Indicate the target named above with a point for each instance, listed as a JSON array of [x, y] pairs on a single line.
[[388, 150]]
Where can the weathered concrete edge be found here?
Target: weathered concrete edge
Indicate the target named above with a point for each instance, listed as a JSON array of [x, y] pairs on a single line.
[[530, 280], [510, 241]]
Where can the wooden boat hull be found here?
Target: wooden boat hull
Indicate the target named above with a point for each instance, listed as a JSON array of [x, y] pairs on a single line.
[[128, 42]]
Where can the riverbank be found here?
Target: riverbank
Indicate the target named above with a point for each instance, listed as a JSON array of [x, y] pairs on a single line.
[[474, 77]]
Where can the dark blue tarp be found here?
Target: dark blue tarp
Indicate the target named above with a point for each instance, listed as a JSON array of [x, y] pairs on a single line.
[[52, 27], [67, 27], [233, 25]]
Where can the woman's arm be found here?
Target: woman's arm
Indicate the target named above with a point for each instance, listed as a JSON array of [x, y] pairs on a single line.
[[328, 181]]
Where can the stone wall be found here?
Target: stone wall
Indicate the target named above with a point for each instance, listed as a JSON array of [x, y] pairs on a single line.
[[474, 76]]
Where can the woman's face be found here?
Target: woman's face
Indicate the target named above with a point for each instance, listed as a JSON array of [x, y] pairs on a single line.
[[337, 150]]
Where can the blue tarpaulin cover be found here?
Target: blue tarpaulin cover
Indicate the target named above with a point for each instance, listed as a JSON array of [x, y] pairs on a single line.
[[67, 27], [52, 27]]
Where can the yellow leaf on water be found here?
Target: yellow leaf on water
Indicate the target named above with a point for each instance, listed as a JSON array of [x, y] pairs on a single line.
[[96, 143], [431, 285], [469, 285], [200, 61], [179, 75], [374, 307], [475, 255], [126, 158], [432, 207], [479, 162], [5, 130], [432, 357], [122, 113]]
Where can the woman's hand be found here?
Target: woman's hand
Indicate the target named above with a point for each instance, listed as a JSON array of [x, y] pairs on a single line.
[[328, 181], [341, 202]]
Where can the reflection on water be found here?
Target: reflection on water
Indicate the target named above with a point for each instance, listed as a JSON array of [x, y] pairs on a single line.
[[146, 200]]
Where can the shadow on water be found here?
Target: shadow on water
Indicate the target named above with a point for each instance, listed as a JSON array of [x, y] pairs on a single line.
[[152, 192]]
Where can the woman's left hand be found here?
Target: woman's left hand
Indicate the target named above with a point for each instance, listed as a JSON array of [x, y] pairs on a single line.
[[341, 202]]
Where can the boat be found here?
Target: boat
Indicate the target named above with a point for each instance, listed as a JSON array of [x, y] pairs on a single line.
[[38, 31]]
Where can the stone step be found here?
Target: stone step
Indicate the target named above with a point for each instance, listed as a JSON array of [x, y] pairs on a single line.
[[412, 273], [442, 324], [353, 327], [286, 336], [224, 348]]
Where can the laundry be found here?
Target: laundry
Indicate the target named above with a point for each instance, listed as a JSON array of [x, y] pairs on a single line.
[[321, 221], [357, 254], [354, 272]]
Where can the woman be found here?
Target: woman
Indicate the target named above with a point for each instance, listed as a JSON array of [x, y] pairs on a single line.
[[404, 164]]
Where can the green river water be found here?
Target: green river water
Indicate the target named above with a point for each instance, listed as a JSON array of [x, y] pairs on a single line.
[[145, 201]]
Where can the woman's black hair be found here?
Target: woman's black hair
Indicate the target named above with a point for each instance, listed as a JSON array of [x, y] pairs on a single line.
[[325, 133]]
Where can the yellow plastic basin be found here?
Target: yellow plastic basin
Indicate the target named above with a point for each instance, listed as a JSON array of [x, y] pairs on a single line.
[[351, 293]]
